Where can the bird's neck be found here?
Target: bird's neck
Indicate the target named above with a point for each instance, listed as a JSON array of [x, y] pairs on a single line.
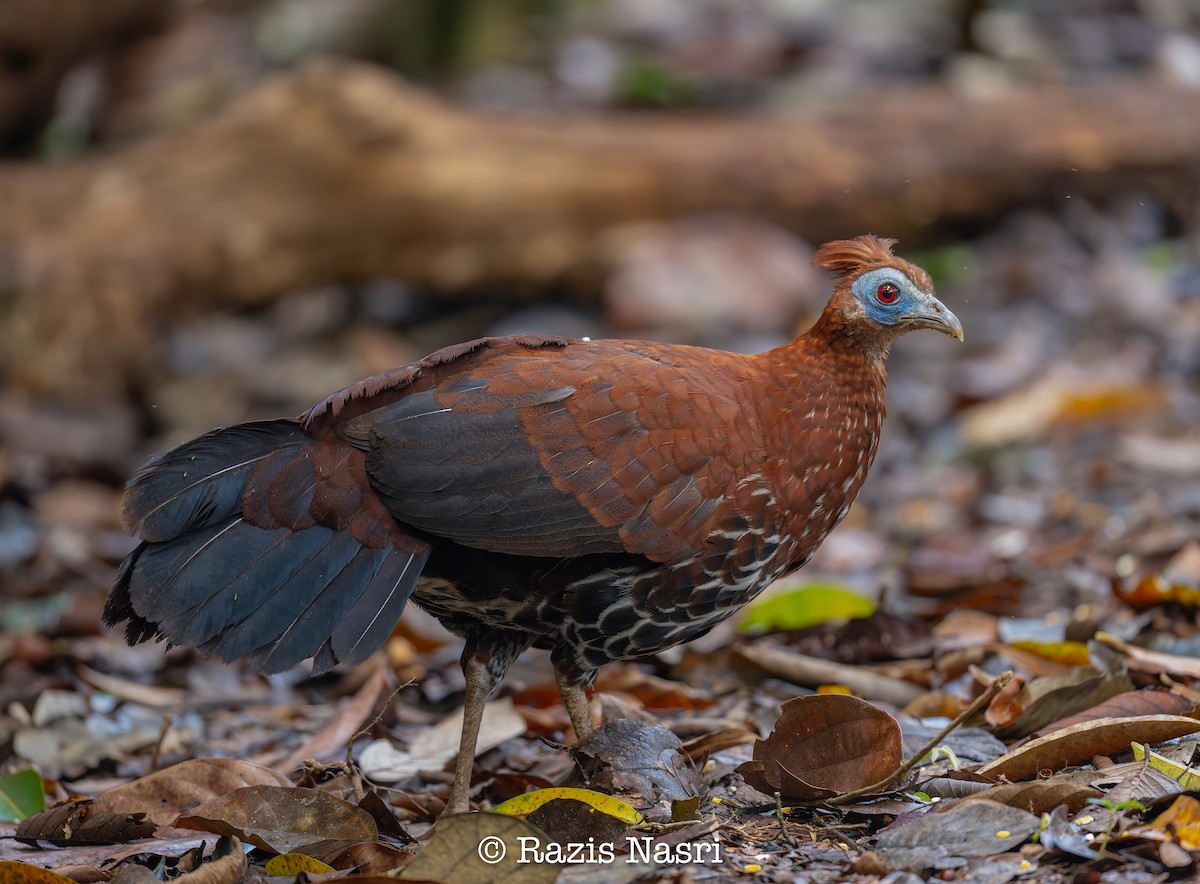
[[827, 409], [835, 353], [845, 335]]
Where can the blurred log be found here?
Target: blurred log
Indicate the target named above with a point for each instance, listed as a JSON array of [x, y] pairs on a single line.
[[340, 171]]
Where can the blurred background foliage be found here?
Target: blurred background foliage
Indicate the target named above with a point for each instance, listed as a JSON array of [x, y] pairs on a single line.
[[1053, 453], [87, 76]]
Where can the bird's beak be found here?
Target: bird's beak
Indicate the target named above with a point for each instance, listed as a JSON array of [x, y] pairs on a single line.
[[935, 315]]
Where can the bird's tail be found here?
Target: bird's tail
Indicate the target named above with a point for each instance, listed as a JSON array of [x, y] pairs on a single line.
[[260, 541]]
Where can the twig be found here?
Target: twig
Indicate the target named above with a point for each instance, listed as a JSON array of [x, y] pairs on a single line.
[[982, 700], [362, 731], [163, 730], [805, 670], [782, 824], [352, 769]]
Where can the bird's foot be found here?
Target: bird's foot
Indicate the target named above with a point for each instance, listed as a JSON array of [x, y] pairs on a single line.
[[458, 802]]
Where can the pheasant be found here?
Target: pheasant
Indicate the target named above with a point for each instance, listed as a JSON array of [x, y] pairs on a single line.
[[600, 499]]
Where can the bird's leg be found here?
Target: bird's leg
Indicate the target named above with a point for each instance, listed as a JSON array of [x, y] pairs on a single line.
[[485, 660], [479, 687], [574, 697]]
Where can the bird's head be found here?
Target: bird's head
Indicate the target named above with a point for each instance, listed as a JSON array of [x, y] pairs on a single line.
[[881, 295]]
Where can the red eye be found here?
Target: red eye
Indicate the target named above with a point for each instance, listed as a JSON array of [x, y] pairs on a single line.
[[887, 293]]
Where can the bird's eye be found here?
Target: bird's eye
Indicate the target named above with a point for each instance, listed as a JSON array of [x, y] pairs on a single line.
[[887, 293]]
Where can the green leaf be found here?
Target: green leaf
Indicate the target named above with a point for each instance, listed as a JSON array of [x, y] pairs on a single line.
[[21, 795], [807, 606], [645, 81]]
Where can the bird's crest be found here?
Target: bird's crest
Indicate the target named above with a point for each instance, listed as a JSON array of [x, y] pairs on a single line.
[[851, 256]]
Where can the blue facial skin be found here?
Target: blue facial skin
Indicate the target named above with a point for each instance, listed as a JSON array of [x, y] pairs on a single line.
[[912, 307]]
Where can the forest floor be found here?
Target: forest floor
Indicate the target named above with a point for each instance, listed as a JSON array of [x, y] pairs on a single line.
[[1034, 508]]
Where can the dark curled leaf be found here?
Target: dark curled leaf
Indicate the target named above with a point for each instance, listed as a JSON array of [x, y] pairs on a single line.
[[385, 820], [79, 823], [823, 746]]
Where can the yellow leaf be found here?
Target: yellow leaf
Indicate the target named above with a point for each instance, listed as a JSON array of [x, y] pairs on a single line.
[[1182, 821], [1070, 653], [292, 864], [1111, 399], [1187, 777], [1155, 589], [835, 689], [22, 873], [523, 805]]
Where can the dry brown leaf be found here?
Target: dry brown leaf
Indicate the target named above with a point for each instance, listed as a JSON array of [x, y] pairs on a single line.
[[108, 855], [1131, 704], [1178, 582], [936, 704], [1045, 700], [977, 828], [965, 628], [481, 848], [824, 745], [227, 866], [79, 822], [1080, 743], [699, 748], [569, 821], [1006, 706], [1139, 781], [1040, 796], [1064, 653], [282, 819], [653, 692], [165, 794], [385, 819], [367, 857], [1154, 662]]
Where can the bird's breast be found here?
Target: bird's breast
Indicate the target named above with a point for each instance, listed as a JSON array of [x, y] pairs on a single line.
[[820, 468]]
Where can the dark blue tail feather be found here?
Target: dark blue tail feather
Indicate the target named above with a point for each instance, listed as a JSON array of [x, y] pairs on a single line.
[[200, 483], [206, 577]]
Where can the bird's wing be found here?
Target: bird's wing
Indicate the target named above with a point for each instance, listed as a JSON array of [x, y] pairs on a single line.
[[564, 451]]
